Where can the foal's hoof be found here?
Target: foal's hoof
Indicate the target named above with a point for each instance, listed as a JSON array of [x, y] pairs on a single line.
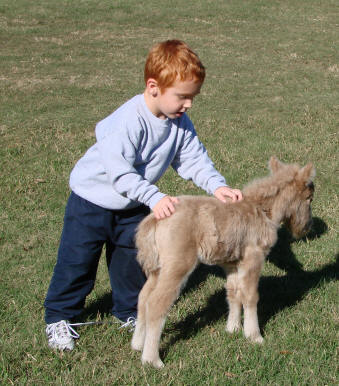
[[232, 328], [256, 339], [259, 340], [157, 363], [138, 341], [137, 346]]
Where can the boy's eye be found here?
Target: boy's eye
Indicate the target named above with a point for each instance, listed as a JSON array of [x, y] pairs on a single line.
[[184, 97]]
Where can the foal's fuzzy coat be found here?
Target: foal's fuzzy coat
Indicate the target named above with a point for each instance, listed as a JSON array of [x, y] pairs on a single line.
[[236, 236]]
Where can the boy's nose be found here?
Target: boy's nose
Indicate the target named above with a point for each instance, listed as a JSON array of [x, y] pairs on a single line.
[[188, 104]]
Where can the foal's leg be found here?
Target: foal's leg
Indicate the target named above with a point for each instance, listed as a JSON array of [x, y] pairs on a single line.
[[140, 328], [248, 276], [158, 304], [233, 299]]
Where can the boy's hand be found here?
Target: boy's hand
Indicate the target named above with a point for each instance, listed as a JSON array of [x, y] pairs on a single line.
[[165, 207], [224, 191]]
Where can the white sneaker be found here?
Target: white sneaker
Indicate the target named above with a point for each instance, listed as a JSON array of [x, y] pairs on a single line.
[[129, 324], [61, 335]]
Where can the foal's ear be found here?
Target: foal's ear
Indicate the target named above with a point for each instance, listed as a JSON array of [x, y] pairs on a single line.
[[274, 164], [307, 173]]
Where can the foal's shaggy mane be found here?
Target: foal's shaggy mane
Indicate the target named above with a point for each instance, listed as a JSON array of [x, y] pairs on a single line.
[[269, 186]]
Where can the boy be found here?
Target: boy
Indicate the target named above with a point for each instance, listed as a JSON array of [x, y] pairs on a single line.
[[113, 188]]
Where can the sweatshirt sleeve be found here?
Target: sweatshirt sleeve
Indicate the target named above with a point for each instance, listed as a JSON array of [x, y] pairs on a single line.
[[192, 162], [118, 152]]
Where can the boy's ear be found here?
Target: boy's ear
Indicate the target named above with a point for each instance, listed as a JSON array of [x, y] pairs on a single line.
[[152, 87]]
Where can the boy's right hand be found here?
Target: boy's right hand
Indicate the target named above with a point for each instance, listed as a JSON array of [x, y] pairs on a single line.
[[165, 207]]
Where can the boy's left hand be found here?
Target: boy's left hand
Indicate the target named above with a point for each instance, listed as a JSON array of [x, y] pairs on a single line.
[[165, 207], [224, 191]]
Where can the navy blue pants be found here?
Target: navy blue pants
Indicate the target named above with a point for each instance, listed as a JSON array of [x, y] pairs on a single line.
[[87, 227]]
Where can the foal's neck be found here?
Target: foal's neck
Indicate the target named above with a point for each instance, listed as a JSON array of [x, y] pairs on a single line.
[[272, 206]]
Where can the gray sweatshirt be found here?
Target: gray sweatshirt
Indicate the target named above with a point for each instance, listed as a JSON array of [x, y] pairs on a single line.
[[133, 150]]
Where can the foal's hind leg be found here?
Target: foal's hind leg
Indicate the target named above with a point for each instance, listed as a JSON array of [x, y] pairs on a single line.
[[248, 276], [233, 299], [140, 328], [168, 286]]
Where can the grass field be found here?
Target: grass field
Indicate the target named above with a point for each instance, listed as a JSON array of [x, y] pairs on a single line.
[[271, 88]]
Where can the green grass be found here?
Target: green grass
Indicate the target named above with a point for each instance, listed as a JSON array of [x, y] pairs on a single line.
[[271, 88]]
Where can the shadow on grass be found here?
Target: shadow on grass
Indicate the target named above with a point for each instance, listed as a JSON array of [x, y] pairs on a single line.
[[100, 307], [276, 293], [281, 254]]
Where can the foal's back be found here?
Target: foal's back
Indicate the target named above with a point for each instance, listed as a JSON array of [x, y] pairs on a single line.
[[214, 231]]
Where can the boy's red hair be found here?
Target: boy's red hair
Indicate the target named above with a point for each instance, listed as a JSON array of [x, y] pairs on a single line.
[[172, 60]]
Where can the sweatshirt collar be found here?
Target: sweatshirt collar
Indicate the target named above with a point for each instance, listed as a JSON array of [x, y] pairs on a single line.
[[157, 121]]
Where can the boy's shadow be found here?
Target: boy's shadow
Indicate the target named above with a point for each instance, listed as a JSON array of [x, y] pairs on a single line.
[[276, 293], [97, 309]]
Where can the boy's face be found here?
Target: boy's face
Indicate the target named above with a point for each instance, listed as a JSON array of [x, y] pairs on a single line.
[[175, 100]]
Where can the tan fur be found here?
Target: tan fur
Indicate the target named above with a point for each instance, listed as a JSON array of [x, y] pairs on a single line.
[[236, 236]]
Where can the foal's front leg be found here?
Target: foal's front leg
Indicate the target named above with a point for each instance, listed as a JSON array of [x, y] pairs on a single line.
[[248, 276]]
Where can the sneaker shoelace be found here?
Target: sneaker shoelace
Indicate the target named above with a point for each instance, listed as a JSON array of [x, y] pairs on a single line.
[[61, 329], [130, 322]]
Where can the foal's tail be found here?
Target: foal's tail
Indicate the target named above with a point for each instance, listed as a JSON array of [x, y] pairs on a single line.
[[148, 256]]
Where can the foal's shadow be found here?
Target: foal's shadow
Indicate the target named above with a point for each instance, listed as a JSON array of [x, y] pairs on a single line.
[[276, 293], [281, 254]]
